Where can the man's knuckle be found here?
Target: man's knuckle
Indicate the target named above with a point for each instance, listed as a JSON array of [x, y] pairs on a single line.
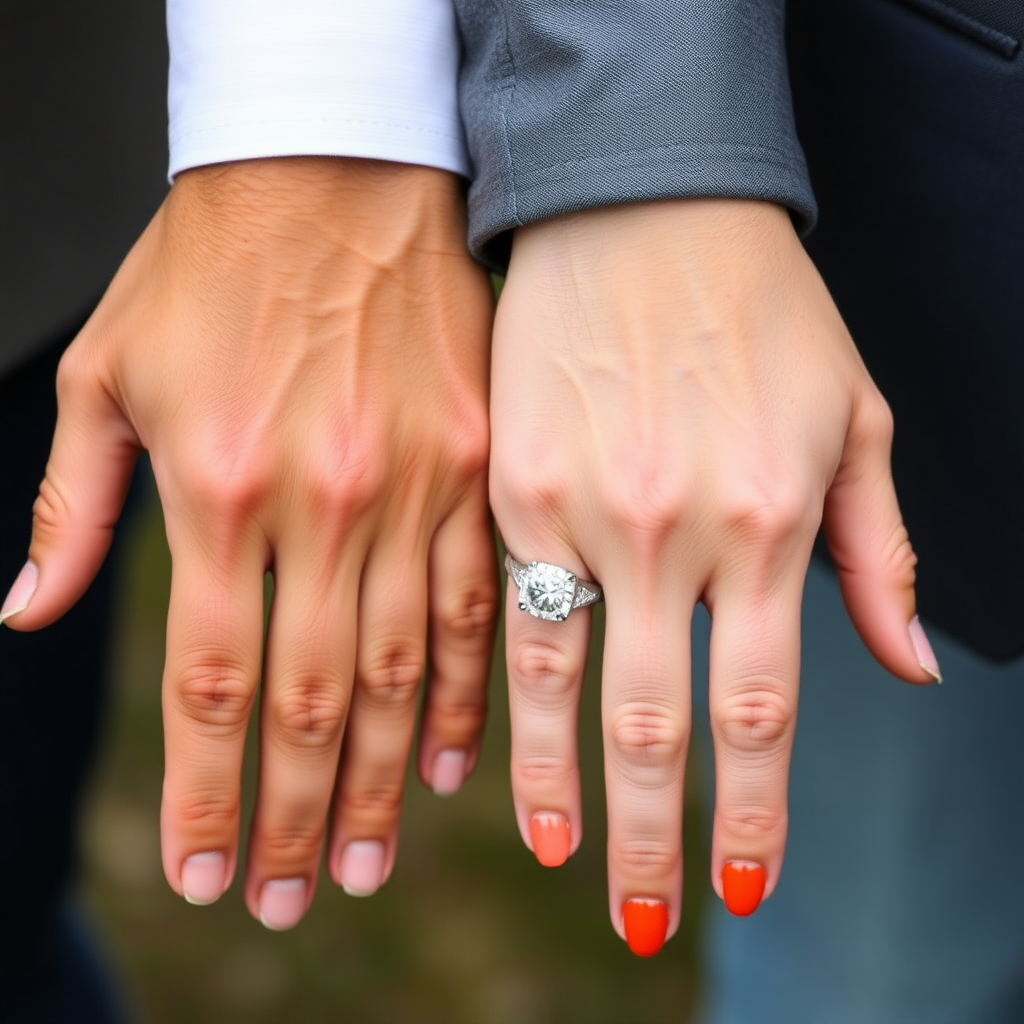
[[347, 481], [216, 693], [456, 723], [75, 371], [310, 713], [470, 443], [207, 807], [393, 674], [294, 841], [227, 487], [470, 614], [381, 802]]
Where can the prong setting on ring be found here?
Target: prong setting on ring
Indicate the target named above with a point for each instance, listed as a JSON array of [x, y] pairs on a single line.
[[547, 591]]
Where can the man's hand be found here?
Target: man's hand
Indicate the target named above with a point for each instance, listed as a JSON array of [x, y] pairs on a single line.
[[301, 346]]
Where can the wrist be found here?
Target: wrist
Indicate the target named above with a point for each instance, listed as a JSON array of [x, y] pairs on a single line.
[[680, 222], [340, 201]]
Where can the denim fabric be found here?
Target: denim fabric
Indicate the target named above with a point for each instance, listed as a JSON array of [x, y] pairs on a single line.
[[901, 899], [570, 105]]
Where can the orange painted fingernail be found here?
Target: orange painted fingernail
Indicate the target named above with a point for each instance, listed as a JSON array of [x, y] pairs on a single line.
[[742, 886], [551, 838], [645, 923]]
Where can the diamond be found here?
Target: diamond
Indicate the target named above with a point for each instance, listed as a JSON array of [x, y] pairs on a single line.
[[547, 591]]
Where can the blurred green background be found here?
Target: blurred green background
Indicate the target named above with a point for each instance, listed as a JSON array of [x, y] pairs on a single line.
[[469, 930]]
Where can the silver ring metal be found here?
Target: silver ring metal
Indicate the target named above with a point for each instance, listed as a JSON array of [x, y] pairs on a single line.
[[548, 591]]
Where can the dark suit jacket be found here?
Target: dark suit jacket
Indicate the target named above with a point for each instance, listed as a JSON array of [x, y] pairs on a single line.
[[83, 155], [911, 113], [911, 116]]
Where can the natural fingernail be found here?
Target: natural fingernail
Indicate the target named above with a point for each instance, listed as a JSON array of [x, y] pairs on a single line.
[[362, 867], [645, 922], [923, 649], [282, 903], [449, 772], [203, 878], [21, 592], [742, 886], [551, 838]]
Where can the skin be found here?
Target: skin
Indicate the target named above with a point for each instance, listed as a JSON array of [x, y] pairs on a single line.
[[301, 346], [676, 408]]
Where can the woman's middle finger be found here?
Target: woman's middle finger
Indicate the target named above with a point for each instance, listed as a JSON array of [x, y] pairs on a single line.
[[645, 709]]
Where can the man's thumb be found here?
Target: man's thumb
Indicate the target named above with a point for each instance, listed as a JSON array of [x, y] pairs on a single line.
[[87, 475]]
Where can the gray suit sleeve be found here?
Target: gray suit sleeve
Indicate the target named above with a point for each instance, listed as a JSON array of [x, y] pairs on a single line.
[[572, 104]]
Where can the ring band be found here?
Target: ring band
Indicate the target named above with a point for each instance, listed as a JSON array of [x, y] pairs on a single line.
[[548, 591]]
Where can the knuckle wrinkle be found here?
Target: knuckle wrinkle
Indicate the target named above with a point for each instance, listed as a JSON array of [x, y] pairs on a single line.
[[311, 715], [215, 695], [393, 676], [755, 720], [648, 735]]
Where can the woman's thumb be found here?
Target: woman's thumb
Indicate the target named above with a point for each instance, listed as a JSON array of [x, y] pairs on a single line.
[[872, 551]]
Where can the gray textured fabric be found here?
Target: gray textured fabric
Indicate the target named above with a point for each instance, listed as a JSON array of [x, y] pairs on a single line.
[[83, 155], [571, 104]]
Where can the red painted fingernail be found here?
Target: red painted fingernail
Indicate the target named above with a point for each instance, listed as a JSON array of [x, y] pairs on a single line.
[[645, 922], [551, 838], [742, 886]]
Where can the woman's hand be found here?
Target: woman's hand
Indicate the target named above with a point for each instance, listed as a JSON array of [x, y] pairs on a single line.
[[676, 407], [301, 346]]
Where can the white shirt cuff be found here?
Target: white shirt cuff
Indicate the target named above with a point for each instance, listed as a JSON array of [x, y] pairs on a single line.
[[263, 78]]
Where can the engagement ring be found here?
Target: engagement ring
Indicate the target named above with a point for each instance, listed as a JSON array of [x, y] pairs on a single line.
[[548, 591]]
